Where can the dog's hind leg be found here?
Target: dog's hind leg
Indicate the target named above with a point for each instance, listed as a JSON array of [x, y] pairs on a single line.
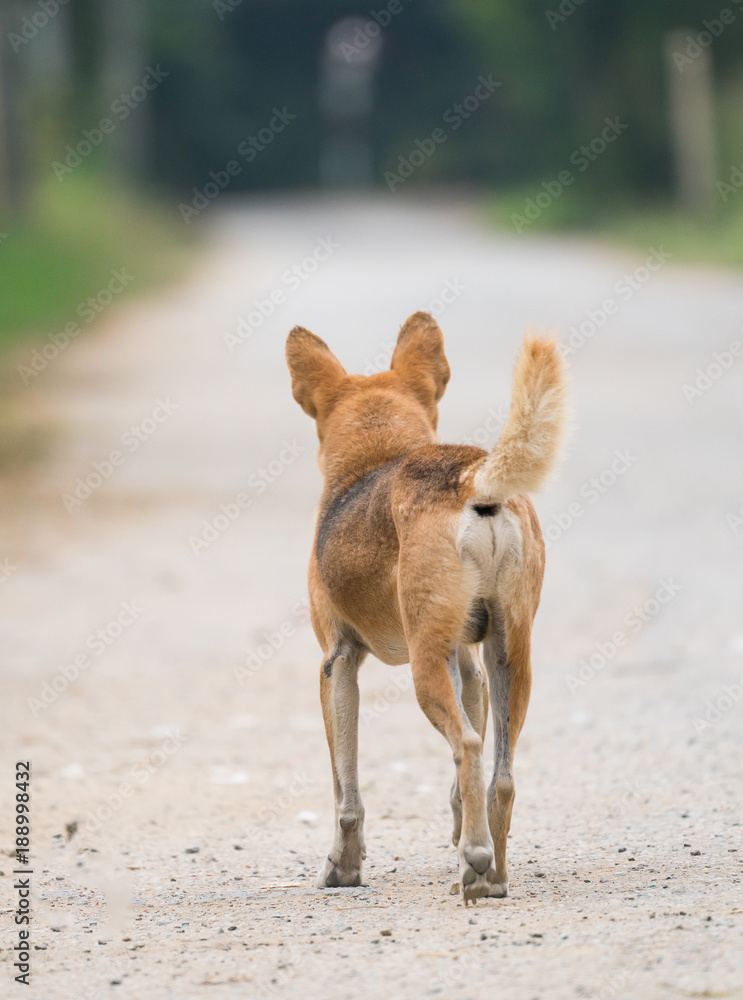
[[508, 666], [438, 699], [339, 693], [472, 693]]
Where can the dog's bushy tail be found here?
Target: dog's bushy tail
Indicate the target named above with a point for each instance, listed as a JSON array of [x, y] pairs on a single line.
[[529, 447]]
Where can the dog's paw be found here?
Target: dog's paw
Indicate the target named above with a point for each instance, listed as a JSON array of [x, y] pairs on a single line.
[[332, 876], [476, 870]]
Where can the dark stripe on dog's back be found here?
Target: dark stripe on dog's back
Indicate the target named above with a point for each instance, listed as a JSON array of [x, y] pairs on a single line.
[[435, 471], [358, 493]]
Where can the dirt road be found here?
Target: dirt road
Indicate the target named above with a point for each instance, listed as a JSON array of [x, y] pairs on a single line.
[[161, 676]]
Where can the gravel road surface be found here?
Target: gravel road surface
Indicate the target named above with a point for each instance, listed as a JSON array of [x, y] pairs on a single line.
[[161, 675]]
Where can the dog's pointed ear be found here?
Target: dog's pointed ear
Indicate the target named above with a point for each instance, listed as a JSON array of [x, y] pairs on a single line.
[[316, 372], [419, 358]]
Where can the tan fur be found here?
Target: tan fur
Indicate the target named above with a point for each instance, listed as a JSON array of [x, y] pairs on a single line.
[[409, 565], [529, 445]]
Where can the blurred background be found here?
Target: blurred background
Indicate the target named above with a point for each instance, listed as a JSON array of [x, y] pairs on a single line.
[[181, 182], [181, 88]]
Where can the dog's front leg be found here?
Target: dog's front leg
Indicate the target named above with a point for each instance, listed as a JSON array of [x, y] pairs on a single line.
[[441, 702], [339, 693]]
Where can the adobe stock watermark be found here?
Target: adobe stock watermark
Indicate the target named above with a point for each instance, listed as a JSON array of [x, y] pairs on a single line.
[[96, 645], [399, 683], [299, 785], [734, 184], [581, 158], [120, 109], [565, 9], [615, 985], [696, 44], [137, 778], [625, 288], [291, 281], [717, 707], [248, 150], [6, 570], [734, 521], [369, 30], [131, 441], [275, 640], [453, 118], [258, 482], [33, 23], [635, 620], [705, 378], [448, 294], [224, 7], [87, 310], [591, 491], [489, 428]]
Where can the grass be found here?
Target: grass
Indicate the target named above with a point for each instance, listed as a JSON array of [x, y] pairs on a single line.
[[58, 256], [65, 249], [716, 241]]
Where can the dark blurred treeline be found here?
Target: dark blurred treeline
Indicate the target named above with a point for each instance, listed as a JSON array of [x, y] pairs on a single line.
[[211, 74]]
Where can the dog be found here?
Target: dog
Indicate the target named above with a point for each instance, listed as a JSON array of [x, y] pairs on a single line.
[[422, 552]]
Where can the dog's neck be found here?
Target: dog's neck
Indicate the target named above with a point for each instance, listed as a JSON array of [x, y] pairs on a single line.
[[369, 441]]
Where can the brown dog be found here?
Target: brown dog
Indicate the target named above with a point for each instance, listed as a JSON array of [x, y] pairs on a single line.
[[423, 551]]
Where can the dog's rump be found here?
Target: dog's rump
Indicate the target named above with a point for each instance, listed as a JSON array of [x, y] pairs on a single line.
[[424, 503], [460, 555], [362, 518]]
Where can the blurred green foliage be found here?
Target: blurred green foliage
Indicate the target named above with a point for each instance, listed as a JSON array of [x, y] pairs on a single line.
[[230, 62], [561, 76], [64, 250], [563, 67]]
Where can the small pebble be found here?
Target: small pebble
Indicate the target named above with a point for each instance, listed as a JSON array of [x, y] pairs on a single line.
[[386, 933], [621, 850], [695, 854], [192, 850]]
